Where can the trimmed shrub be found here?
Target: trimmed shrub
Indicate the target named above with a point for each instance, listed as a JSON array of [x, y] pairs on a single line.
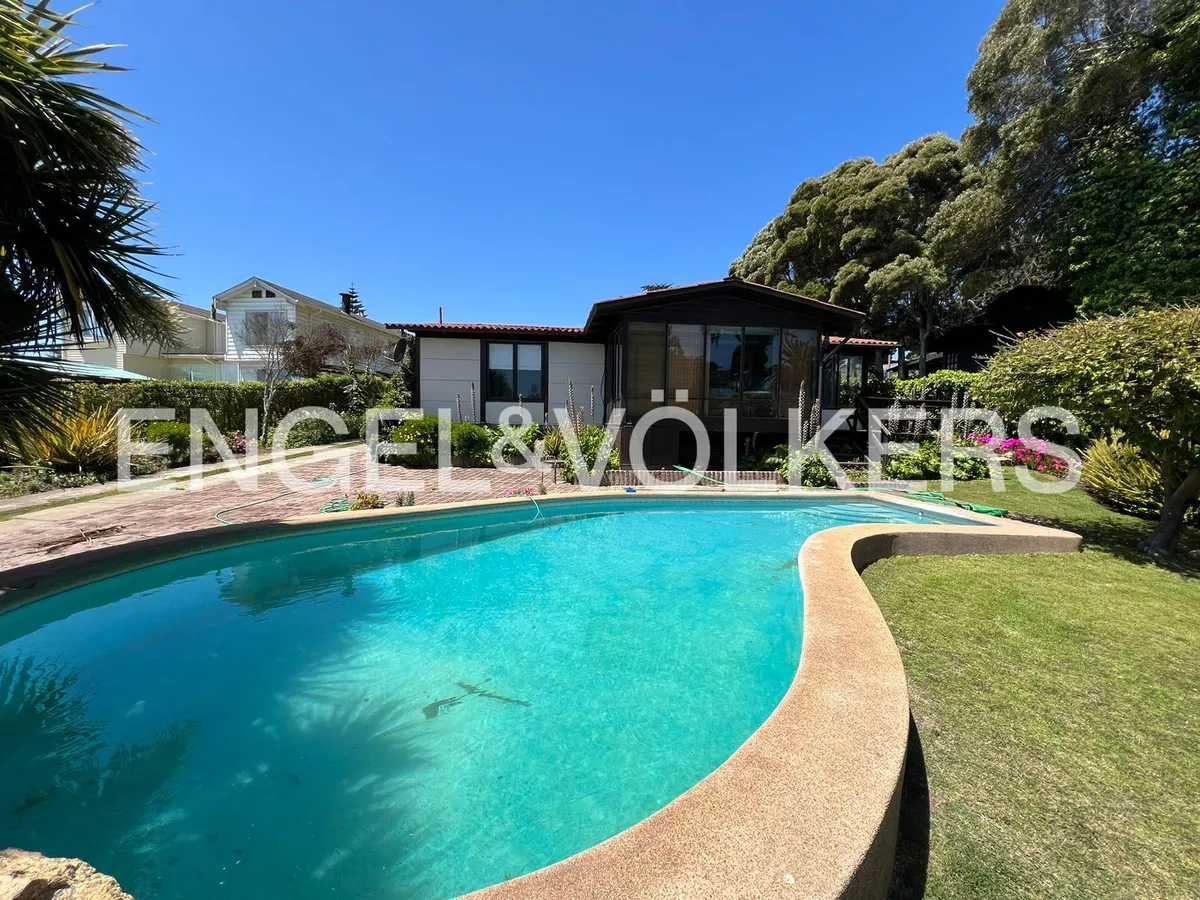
[[941, 385], [311, 432], [33, 480], [422, 432], [470, 444], [179, 436], [227, 403], [927, 463], [1120, 476]]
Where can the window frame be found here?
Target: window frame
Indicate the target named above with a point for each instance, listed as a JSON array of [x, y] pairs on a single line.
[[257, 335], [485, 358]]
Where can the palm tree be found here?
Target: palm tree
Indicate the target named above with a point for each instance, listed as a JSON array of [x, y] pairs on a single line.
[[75, 247]]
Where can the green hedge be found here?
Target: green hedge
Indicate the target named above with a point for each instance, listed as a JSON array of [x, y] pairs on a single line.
[[942, 385], [227, 403]]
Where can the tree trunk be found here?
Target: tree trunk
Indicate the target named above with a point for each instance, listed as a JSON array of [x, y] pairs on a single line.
[[922, 361], [1165, 539]]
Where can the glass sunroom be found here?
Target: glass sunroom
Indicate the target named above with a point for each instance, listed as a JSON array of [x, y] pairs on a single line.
[[708, 348]]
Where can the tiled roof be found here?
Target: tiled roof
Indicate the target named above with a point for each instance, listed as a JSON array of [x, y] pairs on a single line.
[[860, 342], [482, 328]]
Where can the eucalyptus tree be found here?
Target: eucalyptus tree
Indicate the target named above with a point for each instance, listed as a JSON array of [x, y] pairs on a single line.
[[863, 235], [75, 246]]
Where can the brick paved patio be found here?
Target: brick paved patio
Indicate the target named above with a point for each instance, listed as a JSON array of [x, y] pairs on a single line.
[[43, 534]]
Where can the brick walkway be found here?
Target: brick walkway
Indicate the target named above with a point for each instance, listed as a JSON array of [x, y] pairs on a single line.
[[43, 534]]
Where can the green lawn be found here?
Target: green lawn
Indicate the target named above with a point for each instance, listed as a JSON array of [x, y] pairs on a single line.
[[1058, 705]]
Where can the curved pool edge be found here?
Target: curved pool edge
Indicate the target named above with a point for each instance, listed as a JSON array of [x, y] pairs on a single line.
[[808, 806]]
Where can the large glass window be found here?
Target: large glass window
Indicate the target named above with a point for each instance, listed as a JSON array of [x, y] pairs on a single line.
[[515, 372], [647, 364], [843, 382], [797, 369], [724, 368], [758, 371], [685, 365], [760, 365]]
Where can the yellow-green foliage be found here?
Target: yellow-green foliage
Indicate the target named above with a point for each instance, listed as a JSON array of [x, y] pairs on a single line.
[[1118, 474], [84, 442]]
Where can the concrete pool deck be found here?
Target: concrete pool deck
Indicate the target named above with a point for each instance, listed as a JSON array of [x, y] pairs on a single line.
[[808, 805]]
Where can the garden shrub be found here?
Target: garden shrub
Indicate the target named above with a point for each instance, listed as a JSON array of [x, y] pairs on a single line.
[[422, 432], [553, 444], [1032, 453], [927, 463], [367, 501], [591, 438], [1119, 475], [1135, 374], [178, 435], [311, 432], [227, 403], [470, 444], [527, 435], [942, 385]]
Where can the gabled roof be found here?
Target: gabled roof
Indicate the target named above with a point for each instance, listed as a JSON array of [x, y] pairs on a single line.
[[480, 330], [746, 290], [295, 297]]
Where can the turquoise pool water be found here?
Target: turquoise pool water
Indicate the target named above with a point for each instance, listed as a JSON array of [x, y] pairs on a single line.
[[403, 710]]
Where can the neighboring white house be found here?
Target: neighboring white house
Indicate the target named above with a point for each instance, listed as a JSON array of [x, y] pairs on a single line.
[[258, 299], [213, 344], [197, 357]]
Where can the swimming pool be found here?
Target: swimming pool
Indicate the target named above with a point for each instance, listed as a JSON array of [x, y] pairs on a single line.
[[417, 707]]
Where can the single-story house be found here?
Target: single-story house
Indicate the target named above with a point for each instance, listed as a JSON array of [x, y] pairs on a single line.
[[705, 348]]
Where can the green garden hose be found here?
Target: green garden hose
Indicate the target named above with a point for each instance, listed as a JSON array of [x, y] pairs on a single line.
[[320, 479]]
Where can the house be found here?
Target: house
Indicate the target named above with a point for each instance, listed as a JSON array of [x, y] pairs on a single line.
[[705, 348], [251, 306], [226, 342], [197, 356], [1018, 311]]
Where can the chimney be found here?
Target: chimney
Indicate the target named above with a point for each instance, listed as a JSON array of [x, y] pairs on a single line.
[[439, 315], [345, 295]]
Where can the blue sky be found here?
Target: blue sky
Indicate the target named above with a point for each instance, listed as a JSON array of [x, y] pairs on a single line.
[[509, 161]]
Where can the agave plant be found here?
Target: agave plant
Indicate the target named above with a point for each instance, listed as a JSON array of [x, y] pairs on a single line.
[[75, 247]]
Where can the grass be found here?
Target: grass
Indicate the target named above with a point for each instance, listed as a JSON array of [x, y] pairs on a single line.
[[1058, 707]]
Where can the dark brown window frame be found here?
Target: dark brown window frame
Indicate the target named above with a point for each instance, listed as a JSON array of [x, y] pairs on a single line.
[[485, 365]]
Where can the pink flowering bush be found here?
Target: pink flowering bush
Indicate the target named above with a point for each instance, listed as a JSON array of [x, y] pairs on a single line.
[[237, 443], [522, 492], [1031, 453]]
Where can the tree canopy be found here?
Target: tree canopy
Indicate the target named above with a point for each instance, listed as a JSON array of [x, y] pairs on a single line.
[[864, 235], [1137, 374], [1081, 171], [1087, 124]]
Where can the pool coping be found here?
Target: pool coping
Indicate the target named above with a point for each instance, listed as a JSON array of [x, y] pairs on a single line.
[[808, 806]]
